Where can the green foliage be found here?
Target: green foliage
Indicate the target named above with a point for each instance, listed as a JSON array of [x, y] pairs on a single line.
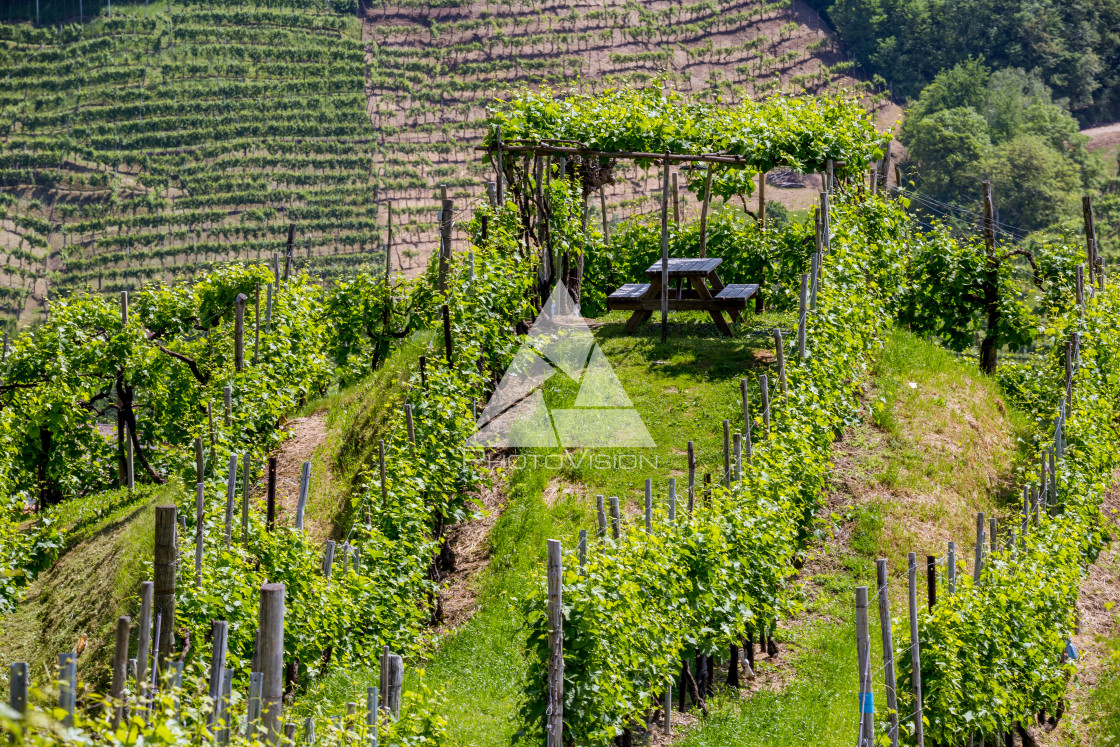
[[944, 149], [802, 133], [946, 293], [701, 582], [993, 653], [774, 257], [1041, 188], [970, 124], [909, 42]]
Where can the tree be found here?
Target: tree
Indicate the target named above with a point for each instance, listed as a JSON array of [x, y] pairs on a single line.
[[962, 287], [944, 147], [1042, 186]]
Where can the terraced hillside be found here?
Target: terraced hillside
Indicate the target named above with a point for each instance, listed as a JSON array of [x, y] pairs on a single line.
[[436, 65], [154, 143]]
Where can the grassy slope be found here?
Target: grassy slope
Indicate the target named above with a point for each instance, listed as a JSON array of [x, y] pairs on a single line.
[[74, 605], [683, 390], [110, 538]]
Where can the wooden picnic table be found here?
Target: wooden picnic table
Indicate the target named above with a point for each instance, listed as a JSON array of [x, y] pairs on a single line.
[[704, 292]]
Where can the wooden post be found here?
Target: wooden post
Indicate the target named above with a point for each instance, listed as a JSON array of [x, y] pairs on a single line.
[[888, 647], [268, 308], [253, 708], [199, 531], [931, 580], [738, 440], [978, 564], [691, 477], [665, 252], [328, 558], [219, 637], [270, 516], [915, 654], [447, 344], [764, 391], [672, 499], [951, 568], [231, 496], [120, 669], [727, 453], [67, 686], [143, 642], [814, 275], [163, 575], [394, 681], [780, 351], [129, 466], [676, 200], [445, 244], [555, 725], [1080, 286], [290, 250], [992, 533], [1090, 235], [747, 426], [601, 515], [826, 224], [616, 519], [667, 707], [124, 308], [762, 199], [304, 486], [802, 316], [649, 506], [18, 680], [256, 323], [271, 659], [245, 498], [603, 211], [239, 332], [582, 550], [411, 428], [381, 468], [704, 212], [1026, 511], [389, 241], [199, 460], [863, 653], [501, 166]]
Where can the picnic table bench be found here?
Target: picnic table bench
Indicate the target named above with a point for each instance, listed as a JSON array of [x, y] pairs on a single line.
[[704, 292]]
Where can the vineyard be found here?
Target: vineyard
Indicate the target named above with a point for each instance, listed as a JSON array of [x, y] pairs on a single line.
[[158, 142], [290, 282]]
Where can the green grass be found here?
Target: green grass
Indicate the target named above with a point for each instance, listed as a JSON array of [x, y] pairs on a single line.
[[683, 389], [816, 702], [94, 581], [479, 667]]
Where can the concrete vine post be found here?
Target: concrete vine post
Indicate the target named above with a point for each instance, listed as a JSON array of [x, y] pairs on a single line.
[[978, 563], [199, 531], [555, 712], [802, 315], [888, 647], [915, 654], [120, 669], [863, 654]]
